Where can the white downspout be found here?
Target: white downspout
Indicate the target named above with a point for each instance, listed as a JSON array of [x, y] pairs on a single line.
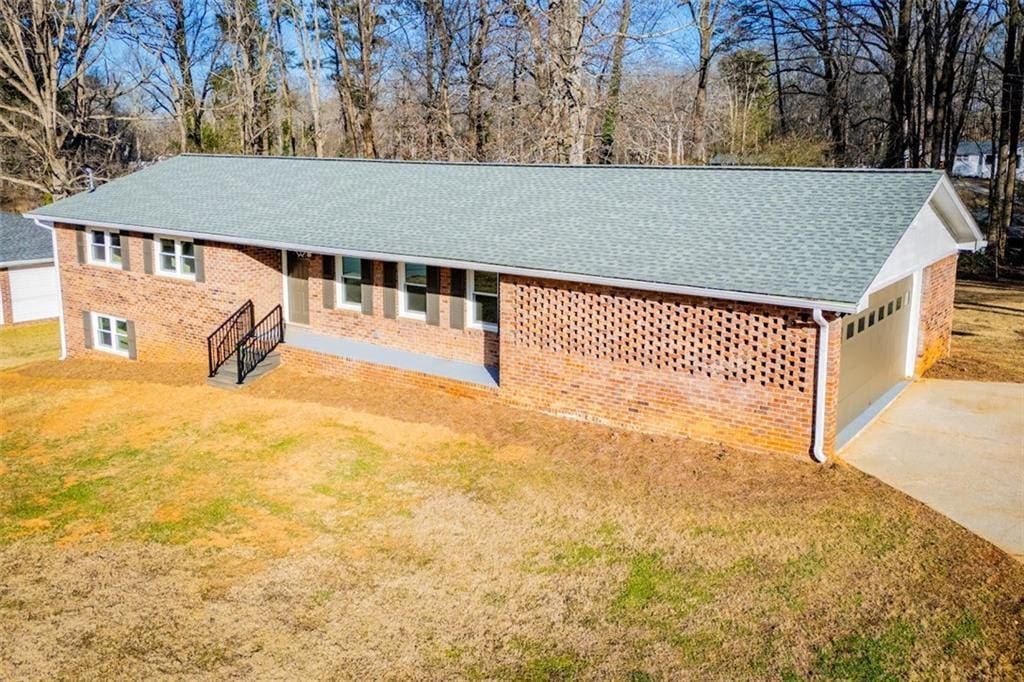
[[60, 289], [820, 387]]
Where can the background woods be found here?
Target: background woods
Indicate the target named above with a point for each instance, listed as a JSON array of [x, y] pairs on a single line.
[[111, 84]]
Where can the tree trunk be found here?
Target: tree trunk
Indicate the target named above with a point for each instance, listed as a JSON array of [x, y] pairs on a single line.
[[940, 156], [477, 134], [779, 99], [1011, 103], [705, 33], [900, 98], [191, 111], [606, 153], [367, 27], [569, 122]]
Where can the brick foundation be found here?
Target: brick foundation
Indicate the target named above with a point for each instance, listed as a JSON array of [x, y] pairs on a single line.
[[938, 289]]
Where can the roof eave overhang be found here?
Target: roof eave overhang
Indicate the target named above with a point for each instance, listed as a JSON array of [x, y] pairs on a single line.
[[29, 261], [957, 217], [740, 296]]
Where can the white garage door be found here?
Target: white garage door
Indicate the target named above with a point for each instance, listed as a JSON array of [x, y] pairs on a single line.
[[873, 358], [34, 293]]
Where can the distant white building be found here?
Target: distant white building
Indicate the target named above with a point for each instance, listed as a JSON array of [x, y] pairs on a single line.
[[976, 160]]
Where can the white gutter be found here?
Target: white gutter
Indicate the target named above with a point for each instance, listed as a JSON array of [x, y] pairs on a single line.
[[742, 296], [19, 263], [60, 289], [820, 387]]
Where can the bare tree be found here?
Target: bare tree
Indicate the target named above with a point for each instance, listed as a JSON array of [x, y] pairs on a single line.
[[611, 111], [47, 50], [355, 42], [706, 15], [1009, 129], [178, 38]]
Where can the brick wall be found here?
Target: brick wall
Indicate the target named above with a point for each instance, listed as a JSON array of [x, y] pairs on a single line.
[[938, 288], [469, 345], [172, 316], [5, 296], [714, 370]]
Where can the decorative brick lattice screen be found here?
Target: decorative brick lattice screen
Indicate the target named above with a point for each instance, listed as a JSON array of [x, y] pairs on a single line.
[[746, 344]]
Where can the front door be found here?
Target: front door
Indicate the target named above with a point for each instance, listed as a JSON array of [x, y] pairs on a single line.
[[298, 288]]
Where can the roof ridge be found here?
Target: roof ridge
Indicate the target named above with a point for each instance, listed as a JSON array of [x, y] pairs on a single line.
[[501, 164]]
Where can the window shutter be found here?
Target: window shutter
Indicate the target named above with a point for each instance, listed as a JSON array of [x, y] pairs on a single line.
[[125, 255], [200, 253], [87, 325], [366, 285], [433, 295], [80, 237], [457, 313], [132, 353], [390, 290], [328, 280], [147, 253]]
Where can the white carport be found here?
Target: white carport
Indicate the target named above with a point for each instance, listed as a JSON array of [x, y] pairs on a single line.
[[879, 343], [28, 278]]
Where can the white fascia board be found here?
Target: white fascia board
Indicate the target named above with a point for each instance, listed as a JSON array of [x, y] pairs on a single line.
[[977, 241], [20, 263], [741, 296]]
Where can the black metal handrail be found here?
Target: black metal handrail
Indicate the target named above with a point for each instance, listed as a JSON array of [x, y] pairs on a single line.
[[257, 344], [222, 343]]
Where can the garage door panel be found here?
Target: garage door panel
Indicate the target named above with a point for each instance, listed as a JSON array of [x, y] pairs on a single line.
[[873, 351], [33, 293]]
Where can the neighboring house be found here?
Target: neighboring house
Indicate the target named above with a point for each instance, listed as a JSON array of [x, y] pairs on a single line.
[[28, 279], [976, 160], [770, 309]]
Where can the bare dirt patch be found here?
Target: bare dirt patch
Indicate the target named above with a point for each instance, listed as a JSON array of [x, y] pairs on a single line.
[[988, 334], [151, 526]]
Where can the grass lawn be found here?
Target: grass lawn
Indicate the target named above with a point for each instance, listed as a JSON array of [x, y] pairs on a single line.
[[988, 334], [153, 526], [29, 342]]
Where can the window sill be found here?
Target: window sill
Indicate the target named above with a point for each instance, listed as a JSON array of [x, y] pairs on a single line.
[[483, 327], [175, 276], [419, 317], [105, 266]]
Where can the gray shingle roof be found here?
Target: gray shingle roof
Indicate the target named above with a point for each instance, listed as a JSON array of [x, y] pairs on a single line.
[[810, 234], [23, 240]]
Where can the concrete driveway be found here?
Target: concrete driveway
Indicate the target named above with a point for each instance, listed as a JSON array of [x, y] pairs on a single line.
[[957, 446]]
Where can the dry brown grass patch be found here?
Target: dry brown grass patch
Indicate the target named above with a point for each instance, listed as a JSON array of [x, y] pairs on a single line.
[[151, 526], [988, 334]]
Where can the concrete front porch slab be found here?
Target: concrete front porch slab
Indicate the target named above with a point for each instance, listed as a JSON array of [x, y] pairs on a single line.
[[456, 370], [957, 446]]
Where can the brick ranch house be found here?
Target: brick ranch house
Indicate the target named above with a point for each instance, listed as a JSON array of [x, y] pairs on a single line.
[[774, 309]]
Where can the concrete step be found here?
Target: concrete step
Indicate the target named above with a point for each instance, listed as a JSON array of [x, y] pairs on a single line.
[[227, 375]]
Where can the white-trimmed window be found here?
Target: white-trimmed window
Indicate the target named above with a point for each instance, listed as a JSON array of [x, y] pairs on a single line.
[[412, 282], [105, 248], [482, 299], [175, 257], [350, 282], [110, 334]]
